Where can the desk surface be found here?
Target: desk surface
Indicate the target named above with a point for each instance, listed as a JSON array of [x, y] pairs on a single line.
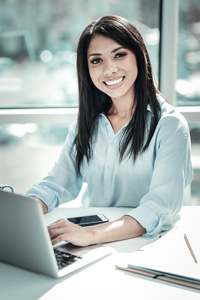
[[99, 280]]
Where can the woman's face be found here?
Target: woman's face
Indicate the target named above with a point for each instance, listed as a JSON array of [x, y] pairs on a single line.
[[112, 68]]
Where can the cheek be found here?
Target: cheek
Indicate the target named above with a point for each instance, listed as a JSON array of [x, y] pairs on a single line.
[[131, 64], [133, 71], [94, 77]]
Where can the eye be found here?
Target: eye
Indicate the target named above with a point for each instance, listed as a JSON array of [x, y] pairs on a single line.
[[96, 61], [120, 54]]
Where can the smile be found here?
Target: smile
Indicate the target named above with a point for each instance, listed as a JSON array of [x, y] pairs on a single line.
[[114, 82]]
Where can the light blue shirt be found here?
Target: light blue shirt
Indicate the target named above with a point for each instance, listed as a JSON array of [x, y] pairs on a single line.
[[152, 186]]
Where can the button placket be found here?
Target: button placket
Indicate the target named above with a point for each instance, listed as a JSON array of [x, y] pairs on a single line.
[[109, 167]]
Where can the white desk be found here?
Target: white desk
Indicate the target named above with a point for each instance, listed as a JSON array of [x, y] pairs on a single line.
[[99, 280]]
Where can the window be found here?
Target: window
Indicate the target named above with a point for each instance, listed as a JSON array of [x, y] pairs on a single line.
[[38, 43], [195, 138], [188, 79], [28, 151], [188, 71]]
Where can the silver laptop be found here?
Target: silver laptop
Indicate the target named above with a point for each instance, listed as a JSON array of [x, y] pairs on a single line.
[[25, 242]]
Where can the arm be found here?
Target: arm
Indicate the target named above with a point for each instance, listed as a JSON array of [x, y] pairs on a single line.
[[63, 182], [123, 228], [44, 207], [172, 172]]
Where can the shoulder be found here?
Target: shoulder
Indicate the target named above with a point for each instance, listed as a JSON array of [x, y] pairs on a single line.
[[170, 115], [72, 132], [73, 128], [172, 123]]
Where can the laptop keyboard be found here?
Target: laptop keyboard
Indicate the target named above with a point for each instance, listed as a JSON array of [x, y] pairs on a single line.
[[65, 258]]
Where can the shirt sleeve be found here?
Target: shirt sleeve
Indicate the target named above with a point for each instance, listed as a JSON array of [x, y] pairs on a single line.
[[63, 182], [159, 208]]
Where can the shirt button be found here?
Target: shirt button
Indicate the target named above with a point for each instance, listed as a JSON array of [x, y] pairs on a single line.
[[106, 124], [112, 144], [108, 167]]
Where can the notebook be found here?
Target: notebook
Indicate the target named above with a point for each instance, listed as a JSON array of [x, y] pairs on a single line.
[[25, 241]]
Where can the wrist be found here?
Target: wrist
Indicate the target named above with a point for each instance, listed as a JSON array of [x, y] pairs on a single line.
[[44, 207], [93, 233]]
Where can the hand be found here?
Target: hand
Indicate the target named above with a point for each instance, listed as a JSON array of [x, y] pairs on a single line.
[[63, 230]]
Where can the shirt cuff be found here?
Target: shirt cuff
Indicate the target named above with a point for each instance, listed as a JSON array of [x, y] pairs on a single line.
[[51, 202], [146, 217]]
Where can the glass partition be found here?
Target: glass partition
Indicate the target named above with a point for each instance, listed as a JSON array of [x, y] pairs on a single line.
[[195, 139], [188, 71], [28, 151], [38, 41]]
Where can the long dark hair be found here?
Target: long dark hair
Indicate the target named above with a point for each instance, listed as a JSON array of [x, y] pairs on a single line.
[[92, 101]]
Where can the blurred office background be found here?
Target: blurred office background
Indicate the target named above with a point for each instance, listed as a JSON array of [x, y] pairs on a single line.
[[38, 86]]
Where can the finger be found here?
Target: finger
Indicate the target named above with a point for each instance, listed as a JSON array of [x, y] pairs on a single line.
[[60, 220], [56, 232], [56, 224], [58, 239]]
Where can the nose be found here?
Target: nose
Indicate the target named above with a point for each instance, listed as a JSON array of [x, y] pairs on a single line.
[[110, 69]]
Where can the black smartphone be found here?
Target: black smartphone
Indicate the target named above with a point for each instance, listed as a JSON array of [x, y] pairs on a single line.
[[89, 220]]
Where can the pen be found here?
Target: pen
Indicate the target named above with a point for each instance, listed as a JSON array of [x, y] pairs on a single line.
[[190, 248]]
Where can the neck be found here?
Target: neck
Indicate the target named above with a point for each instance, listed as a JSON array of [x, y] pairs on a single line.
[[122, 109]]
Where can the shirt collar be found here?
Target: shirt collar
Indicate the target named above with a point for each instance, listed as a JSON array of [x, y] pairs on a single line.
[[148, 108]]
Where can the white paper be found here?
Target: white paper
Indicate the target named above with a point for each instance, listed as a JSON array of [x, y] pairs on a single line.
[[170, 254]]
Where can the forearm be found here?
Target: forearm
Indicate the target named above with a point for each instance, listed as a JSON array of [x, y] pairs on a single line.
[[44, 207], [121, 229], [124, 228]]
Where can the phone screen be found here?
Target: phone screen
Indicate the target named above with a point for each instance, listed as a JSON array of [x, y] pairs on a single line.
[[88, 220]]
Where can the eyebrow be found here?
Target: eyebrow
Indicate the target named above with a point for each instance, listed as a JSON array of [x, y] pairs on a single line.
[[99, 54]]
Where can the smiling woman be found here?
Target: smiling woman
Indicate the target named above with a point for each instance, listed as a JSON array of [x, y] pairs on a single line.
[[103, 40], [129, 145]]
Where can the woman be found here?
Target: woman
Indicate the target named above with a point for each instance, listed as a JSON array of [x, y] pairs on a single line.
[[129, 146]]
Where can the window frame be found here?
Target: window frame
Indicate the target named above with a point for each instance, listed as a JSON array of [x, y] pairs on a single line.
[[169, 30]]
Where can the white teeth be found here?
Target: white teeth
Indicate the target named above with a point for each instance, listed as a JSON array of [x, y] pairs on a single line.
[[114, 81]]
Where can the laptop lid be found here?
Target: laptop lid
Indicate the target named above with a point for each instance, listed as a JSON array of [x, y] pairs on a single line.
[[23, 234], [25, 241]]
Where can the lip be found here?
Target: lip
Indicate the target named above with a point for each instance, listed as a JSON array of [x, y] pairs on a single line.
[[114, 82]]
